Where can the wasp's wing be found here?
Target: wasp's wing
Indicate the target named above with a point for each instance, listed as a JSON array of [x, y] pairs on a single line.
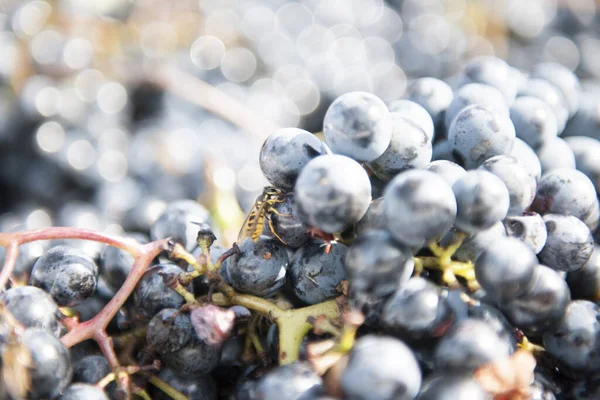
[[246, 229]]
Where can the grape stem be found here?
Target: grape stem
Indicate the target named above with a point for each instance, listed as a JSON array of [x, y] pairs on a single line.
[[166, 388]]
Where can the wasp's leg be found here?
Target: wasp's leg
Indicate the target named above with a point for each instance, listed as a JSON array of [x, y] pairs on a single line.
[[272, 229], [274, 211]]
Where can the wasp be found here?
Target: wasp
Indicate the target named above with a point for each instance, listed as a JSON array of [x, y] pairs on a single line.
[[262, 212]]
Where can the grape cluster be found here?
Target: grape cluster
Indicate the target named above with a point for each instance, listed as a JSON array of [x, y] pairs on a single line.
[[435, 238]]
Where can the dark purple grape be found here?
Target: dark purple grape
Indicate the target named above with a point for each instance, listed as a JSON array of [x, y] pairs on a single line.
[[505, 269], [409, 148], [475, 244], [530, 228], [520, 184], [576, 339], [415, 112], [546, 91], [562, 78], [418, 308], [377, 264], [260, 267], [585, 282], [372, 370], [358, 125], [555, 153], [179, 222], [491, 71], [80, 391], [294, 381], [33, 308], [478, 133], [419, 207], [198, 388], [476, 94], [534, 120], [586, 152], [287, 224], [448, 170], [285, 152], [195, 359], [374, 218], [116, 263], [527, 157], [50, 366], [68, 274], [542, 306], [482, 200], [452, 386], [152, 295], [569, 192], [332, 193], [470, 344], [434, 95], [569, 244], [169, 331], [315, 273]]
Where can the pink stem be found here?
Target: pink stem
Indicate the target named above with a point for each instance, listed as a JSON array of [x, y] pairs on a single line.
[[12, 252], [59, 232], [89, 329]]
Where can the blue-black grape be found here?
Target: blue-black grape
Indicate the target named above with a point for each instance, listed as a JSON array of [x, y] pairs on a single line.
[[492, 71], [285, 152], [448, 170], [586, 150], [68, 274], [409, 148], [116, 263], [576, 339], [358, 125], [555, 153], [315, 273], [197, 388], [332, 193], [287, 224], [79, 391], [33, 308], [527, 157], [482, 200], [475, 244], [179, 222], [195, 359], [585, 282], [452, 386], [374, 218], [564, 79], [49, 367], [152, 295], [534, 120], [91, 369], [521, 186], [418, 308], [528, 227], [372, 370], [479, 94], [505, 269], [546, 91], [415, 112], [433, 95], [442, 150], [377, 264], [419, 207], [569, 192], [478, 133], [569, 244], [296, 381], [260, 268], [169, 331], [470, 344], [542, 306]]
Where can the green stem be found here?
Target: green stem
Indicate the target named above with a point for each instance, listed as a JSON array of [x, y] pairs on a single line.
[[167, 389]]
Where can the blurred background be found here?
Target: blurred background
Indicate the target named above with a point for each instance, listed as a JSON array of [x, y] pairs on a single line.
[[109, 109]]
